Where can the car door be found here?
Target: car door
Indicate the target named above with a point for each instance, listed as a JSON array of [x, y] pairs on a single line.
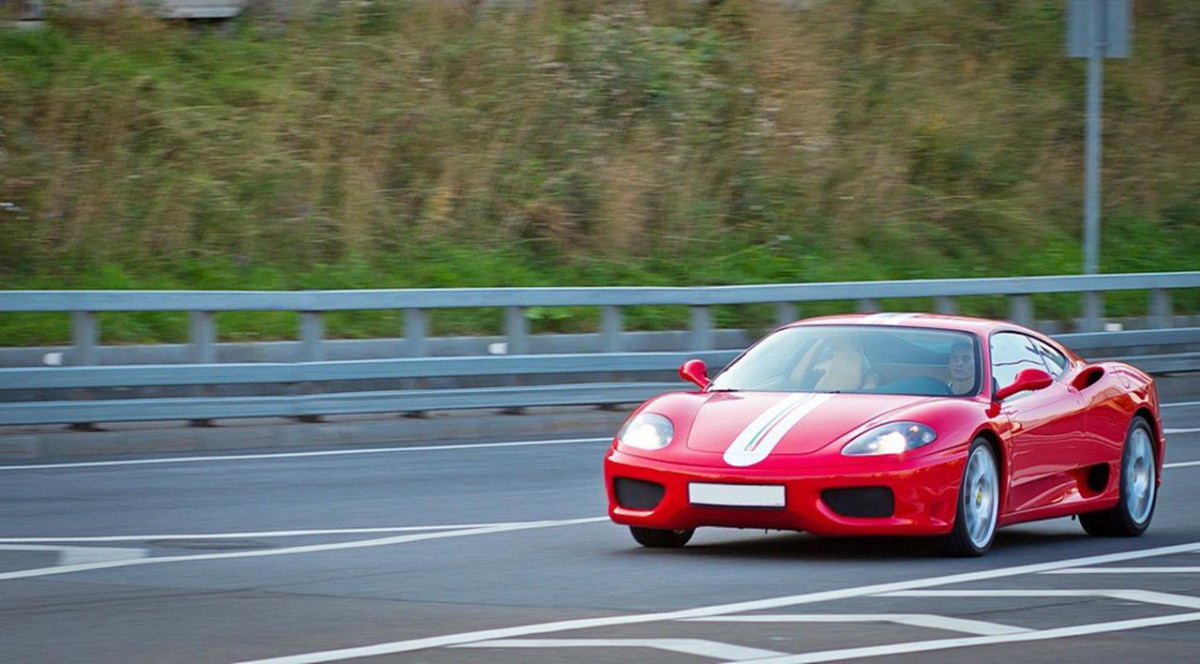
[[1046, 427]]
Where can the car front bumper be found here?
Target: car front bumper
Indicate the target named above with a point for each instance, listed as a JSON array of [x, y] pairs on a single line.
[[925, 492]]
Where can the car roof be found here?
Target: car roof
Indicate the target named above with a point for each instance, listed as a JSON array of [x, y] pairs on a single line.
[[978, 326]]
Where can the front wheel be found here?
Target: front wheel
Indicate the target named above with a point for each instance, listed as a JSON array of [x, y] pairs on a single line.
[[1139, 479], [661, 539], [978, 504]]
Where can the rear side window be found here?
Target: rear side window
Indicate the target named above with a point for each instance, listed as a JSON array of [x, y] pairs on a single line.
[[1056, 362]]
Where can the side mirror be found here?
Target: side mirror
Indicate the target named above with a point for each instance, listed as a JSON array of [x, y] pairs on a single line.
[[695, 371], [1027, 379]]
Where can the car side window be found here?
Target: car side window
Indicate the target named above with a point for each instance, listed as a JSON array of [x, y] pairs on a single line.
[[1012, 353], [1056, 362]]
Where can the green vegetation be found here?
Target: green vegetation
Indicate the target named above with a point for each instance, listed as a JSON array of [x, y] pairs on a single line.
[[581, 142]]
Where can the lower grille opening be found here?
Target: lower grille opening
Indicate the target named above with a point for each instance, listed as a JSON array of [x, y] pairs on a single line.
[[866, 501], [637, 494]]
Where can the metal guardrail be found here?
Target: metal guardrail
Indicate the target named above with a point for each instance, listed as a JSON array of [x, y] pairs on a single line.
[[202, 305]]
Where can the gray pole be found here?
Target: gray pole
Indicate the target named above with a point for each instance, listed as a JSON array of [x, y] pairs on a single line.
[[1091, 201]]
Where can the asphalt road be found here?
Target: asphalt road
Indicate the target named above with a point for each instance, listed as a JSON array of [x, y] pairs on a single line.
[[470, 553]]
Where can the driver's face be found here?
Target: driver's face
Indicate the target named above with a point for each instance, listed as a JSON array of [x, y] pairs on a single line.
[[962, 365]]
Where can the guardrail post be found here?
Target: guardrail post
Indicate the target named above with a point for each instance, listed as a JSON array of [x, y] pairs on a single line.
[[1020, 309], [1160, 308], [85, 337], [202, 337], [785, 312], [416, 344], [516, 332], [611, 328], [1093, 311], [868, 306], [947, 306], [202, 349], [416, 332], [516, 329], [312, 337], [702, 329]]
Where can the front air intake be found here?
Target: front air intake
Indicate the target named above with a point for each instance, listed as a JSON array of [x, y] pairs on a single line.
[[861, 502], [637, 494]]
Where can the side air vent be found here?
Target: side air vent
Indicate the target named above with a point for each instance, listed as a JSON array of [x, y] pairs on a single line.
[[1097, 477]]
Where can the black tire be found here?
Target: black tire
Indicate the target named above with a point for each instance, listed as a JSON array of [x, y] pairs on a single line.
[[661, 539], [958, 542], [1120, 521]]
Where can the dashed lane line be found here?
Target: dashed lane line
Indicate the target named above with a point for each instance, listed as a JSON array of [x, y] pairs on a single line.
[[260, 534], [929, 620], [298, 455], [76, 555], [698, 647], [965, 642], [313, 548], [425, 643], [1129, 595], [1128, 570]]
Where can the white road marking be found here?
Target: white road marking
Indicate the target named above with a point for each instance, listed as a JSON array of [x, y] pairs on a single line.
[[1179, 404], [1181, 464], [932, 621], [313, 548], [296, 455], [1129, 595], [718, 609], [1175, 431], [1128, 570], [260, 534], [81, 555], [699, 647], [969, 641]]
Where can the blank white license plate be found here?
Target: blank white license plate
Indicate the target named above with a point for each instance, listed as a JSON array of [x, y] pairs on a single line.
[[736, 495]]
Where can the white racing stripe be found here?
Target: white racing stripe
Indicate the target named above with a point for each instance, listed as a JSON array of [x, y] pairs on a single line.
[[762, 435], [313, 548], [296, 455], [425, 643]]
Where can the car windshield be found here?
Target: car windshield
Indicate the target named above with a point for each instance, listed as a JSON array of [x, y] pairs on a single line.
[[858, 359]]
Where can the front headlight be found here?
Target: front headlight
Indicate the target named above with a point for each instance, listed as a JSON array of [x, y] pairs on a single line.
[[647, 431], [891, 438]]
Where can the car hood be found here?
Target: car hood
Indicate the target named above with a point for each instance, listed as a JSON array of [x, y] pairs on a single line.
[[747, 426]]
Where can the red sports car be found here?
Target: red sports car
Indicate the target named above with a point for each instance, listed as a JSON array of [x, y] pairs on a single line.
[[893, 424]]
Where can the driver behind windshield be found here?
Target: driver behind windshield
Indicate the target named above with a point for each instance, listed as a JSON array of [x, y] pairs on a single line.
[[962, 369]]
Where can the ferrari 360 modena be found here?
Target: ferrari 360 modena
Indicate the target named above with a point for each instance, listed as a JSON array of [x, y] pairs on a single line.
[[893, 424]]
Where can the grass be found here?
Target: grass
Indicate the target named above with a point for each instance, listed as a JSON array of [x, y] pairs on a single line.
[[445, 144]]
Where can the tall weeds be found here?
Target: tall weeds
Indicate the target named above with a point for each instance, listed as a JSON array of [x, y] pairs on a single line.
[[591, 141]]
